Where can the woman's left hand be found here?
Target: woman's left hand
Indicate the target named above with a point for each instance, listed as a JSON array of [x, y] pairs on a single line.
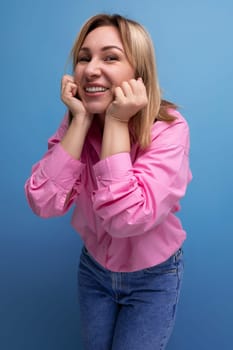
[[129, 99]]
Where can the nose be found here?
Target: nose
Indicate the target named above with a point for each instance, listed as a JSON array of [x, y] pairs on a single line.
[[93, 68]]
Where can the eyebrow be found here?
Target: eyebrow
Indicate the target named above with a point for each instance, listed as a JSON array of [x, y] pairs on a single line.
[[105, 48]]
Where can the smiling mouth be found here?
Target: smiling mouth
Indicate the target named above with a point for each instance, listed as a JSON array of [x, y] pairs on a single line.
[[95, 89]]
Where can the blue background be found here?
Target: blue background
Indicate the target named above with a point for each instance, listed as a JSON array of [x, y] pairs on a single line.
[[193, 39]]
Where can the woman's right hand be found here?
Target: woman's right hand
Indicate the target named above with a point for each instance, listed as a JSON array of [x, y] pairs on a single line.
[[75, 136], [69, 90]]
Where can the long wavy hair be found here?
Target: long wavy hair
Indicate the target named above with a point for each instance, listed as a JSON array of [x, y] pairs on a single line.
[[139, 51]]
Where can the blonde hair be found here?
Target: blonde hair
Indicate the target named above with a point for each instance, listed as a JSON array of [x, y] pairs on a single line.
[[139, 50]]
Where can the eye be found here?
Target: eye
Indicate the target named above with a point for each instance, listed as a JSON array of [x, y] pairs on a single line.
[[110, 58], [83, 59]]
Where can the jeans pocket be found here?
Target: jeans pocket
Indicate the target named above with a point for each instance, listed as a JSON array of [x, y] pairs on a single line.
[[160, 270]]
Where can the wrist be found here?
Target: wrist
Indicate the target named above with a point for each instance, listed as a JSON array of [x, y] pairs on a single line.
[[109, 118], [81, 121]]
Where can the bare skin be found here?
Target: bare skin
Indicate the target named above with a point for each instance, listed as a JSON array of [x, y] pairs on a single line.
[[104, 81]]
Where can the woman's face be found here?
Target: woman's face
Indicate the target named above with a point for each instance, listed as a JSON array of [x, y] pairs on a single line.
[[102, 65]]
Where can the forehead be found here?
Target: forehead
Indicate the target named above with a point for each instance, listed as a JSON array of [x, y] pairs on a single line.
[[103, 36]]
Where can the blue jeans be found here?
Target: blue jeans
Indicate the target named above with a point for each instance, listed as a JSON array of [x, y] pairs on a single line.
[[128, 310]]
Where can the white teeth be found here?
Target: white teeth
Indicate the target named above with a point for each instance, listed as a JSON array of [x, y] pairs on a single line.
[[95, 89]]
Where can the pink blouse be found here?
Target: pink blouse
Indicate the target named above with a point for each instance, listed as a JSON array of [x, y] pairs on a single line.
[[125, 204]]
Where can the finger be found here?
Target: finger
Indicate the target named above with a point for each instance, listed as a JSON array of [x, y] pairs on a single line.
[[137, 86], [127, 89], [139, 91], [68, 86], [74, 89], [118, 94], [71, 88], [141, 84], [69, 91], [66, 79]]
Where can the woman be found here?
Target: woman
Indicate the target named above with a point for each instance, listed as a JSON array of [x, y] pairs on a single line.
[[121, 155]]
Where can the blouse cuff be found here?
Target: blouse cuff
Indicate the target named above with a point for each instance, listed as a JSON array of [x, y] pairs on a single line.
[[61, 167], [117, 167]]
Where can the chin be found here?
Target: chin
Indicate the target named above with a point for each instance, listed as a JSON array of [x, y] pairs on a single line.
[[96, 109]]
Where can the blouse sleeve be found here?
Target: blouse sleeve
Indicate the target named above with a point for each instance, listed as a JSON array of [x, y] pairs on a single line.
[[134, 197], [55, 176]]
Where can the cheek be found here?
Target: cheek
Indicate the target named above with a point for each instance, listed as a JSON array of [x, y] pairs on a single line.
[[78, 73], [77, 78], [131, 73], [125, 75]]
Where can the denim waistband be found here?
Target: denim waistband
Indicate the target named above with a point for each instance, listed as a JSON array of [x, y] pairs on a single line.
[[172, 259]]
